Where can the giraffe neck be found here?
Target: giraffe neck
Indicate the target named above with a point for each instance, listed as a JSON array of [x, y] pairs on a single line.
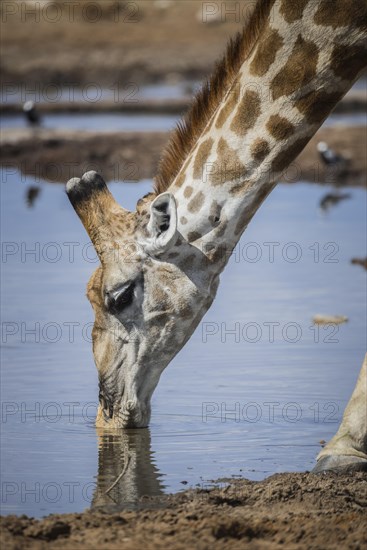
[[306, 57]]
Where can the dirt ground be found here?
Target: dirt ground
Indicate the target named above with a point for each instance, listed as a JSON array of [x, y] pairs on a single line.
[[119, 41], [46, 45], [295, 511]]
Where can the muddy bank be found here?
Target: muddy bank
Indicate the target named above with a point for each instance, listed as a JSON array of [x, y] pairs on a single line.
[[60, 155], [283, 511], [57, 155], [353, 102]]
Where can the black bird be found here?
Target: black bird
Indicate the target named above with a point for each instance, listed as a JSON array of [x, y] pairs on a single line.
[[31, 113], [32, 193], [328, 156], [337, 165], [332, 199]]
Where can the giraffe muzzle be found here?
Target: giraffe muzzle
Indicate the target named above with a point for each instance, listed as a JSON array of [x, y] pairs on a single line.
[[130, 414]]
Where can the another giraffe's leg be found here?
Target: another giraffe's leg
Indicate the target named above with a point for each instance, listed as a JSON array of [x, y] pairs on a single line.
[[347, 450]]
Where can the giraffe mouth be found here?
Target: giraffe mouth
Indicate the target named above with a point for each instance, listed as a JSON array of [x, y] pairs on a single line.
[[124, 401], [130, 414]]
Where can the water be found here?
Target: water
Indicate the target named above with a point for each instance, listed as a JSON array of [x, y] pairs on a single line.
[[237, 400], [346, 119], [104, 122], [92, 93], [360, 85], [128, 93], [117, 122]]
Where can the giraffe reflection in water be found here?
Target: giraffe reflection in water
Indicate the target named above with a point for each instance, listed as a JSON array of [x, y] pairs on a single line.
[[126, 469]]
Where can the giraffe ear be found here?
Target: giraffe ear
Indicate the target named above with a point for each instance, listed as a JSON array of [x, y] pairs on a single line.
[[162, 225]]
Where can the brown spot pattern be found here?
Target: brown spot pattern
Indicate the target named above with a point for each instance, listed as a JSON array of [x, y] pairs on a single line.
[[228, 166], [188, 191], [202, 156], [315, 106], [219, 254], [339, 13], [299, 70], [286, 156], [279, 127], [266, 52], [196, 202], [180, 180], [228, 107], [221, 229], [160, 298], [240, 188], [292, 10], [250, 210], [247, 113], [183, 220], [193, 236], [348, 62], [260, 149]]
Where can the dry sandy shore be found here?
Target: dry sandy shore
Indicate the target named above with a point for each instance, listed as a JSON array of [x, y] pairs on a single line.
[[295, 511]]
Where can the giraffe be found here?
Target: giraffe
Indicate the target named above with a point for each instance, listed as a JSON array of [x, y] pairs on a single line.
[[160, 265]]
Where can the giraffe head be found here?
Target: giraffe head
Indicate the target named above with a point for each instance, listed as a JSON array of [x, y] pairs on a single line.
[[148, 295], [157, 279]]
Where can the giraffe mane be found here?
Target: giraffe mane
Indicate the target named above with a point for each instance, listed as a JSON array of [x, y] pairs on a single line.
[[207, 100]]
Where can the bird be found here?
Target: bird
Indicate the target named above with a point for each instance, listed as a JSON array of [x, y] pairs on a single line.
[[336, 164], [328, 156], [32, 193], [31, 113], [332, 199]]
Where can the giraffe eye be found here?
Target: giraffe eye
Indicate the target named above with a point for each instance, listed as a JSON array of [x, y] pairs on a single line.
[[116, 300]]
